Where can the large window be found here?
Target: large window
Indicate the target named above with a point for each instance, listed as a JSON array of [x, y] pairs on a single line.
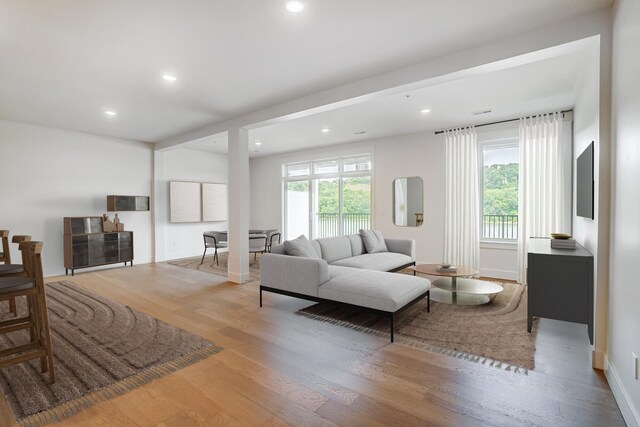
[[327, 198], [500, 167]]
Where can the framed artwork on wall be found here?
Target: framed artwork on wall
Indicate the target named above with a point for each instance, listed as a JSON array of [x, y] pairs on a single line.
[[185, 201], [214, 202]]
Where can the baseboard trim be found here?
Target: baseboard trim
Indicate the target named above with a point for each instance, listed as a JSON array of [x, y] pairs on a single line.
[[629, 412], [238, 277]]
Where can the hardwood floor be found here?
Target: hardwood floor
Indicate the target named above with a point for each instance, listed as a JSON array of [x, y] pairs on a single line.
[[279, 369]]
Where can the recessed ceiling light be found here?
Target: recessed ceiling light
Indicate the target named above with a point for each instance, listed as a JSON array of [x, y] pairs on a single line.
[[169, 78], [325, 130], [425, 110], [258, 143], [110, 113], [294, 6]]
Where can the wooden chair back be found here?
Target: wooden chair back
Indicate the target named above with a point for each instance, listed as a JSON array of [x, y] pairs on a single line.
[[6, 250]]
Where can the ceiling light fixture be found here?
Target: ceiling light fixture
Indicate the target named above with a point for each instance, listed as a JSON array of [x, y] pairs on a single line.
[[258, 143], [294, 6], [425, 110], [169, 78], [110, 113], [325, 130]]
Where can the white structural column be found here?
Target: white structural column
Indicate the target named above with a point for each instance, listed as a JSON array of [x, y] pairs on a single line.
[[239, 191]]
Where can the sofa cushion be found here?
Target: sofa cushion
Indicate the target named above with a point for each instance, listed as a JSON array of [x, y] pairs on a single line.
[[357, 247], [374, 289], [381, 261], [300, 246], [316, 247], [373, 241], [335, 248]]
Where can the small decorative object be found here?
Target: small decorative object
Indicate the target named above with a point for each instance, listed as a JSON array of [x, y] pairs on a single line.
[[560, 236], [447, 268], [118, 226], [107, 225], [563, 243]]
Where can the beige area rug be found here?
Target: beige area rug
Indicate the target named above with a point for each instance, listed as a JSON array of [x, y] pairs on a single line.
[[210, 266], [494, 334], [102, 349]]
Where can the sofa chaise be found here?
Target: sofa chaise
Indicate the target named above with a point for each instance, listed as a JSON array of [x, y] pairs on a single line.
[[341, 270]]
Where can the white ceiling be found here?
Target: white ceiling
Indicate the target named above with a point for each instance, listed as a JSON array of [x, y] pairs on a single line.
[[63, 62], [538, 87]]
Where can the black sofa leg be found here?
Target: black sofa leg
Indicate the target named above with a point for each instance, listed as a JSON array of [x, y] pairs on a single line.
[[429, 301], [260, 296], [391, 318]]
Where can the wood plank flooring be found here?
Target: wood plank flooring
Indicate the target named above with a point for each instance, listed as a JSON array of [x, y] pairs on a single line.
[[280, 369]]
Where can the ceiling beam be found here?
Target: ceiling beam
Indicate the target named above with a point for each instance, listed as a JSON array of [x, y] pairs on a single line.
[[518, 50]]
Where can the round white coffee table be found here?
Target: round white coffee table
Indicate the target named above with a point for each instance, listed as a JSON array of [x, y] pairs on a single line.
[[456, 288]]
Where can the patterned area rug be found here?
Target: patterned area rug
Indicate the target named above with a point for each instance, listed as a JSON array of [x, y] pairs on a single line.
[[102, 349], [494, 334], [210, 266]]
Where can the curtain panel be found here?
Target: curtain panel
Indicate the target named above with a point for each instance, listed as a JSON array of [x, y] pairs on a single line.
[[542, 209], [462, 206]]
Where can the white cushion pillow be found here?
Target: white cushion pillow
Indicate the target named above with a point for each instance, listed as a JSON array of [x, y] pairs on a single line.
[[300, 246], [373, 241]]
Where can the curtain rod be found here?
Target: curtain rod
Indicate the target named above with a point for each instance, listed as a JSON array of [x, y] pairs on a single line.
[[501, 121]]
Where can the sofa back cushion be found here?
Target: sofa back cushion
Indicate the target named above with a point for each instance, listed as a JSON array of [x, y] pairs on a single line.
[[300, 246], [316, 247], [335, 248], [278, 249], [357, 247], [373, 241]]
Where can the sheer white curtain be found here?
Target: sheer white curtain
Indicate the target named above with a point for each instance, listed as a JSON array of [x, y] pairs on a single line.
[[542, 182], [462, 207]]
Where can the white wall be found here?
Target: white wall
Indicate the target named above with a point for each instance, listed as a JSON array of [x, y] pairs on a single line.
[[48, 174], [592, 123], [182, 164], [624, 291]]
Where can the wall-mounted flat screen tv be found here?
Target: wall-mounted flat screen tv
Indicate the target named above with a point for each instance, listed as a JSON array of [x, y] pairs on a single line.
[[584, 183]]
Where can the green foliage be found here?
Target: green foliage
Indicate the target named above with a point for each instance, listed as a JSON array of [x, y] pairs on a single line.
[[356, 195], [298, 186], [501, 189]]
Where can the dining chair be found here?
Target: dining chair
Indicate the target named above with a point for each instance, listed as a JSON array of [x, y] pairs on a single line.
[[257, 244], [36, 319], [214, 240], [272, 236], [15, 270]]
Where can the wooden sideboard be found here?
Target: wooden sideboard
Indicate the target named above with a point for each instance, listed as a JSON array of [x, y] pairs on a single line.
[[560, 284], [87, 245]]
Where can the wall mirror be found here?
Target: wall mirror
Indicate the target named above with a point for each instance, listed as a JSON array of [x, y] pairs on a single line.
[[408, 208]]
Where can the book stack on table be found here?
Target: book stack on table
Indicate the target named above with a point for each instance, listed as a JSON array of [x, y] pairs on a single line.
[[563, 243], [450, 269]]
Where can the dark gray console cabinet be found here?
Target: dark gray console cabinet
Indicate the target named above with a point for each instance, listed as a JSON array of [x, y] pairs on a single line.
[[560, 284], [87, 245]]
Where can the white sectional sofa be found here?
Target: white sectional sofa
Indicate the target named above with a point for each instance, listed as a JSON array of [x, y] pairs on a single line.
[[340, 270]]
